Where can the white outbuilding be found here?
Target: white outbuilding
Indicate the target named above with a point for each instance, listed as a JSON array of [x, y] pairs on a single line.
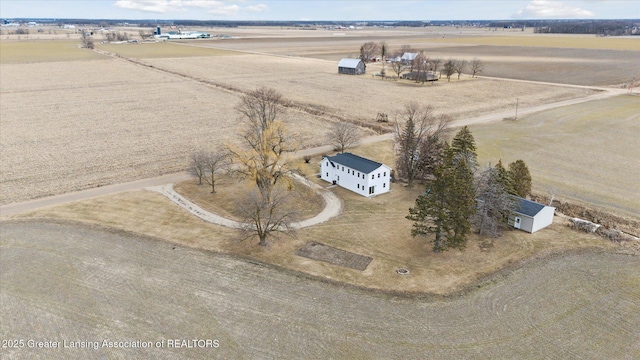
[[531, 216], [352, 172]]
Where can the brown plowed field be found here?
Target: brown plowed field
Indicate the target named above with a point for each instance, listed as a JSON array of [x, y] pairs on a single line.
[[74, 283]]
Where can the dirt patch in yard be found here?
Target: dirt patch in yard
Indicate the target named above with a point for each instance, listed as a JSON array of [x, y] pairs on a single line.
[[317, 251]]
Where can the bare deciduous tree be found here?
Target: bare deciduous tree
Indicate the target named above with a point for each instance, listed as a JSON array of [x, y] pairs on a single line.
[[214, 161], [197, 165], [420, 126], [449, 69], [459, 66], [267, 142], [87, 41], [421, 66], [368, 50], [435, 66], [344, 135], [476, 67], [263, 216], [398, 67]]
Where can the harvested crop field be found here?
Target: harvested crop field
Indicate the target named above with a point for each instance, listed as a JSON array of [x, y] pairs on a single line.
[[578, 60], [63, 282], [74, 125], [312, 81]]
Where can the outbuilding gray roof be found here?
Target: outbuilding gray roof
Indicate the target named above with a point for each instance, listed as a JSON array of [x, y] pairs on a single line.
[[355, 162], [349, 63], [527, 207]]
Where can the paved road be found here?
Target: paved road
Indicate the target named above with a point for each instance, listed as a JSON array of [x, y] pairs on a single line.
[[11, 209], [62, 282]]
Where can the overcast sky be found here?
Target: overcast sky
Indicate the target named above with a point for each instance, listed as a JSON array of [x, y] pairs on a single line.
[[322, 10]]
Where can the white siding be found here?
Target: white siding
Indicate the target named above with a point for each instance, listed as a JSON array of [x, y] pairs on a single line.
[[354, 180], [543, 218]]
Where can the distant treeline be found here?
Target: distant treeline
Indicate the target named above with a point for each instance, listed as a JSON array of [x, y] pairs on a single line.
[[596, 27]]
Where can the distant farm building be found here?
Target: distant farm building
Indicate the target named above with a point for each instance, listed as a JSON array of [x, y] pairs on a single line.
[[531, 216], [408, 57], [351, 66], [352, 172], [419, 76]]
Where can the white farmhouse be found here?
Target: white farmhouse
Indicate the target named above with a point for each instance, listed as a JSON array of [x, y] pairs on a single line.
[[531, 216], [355, 173]]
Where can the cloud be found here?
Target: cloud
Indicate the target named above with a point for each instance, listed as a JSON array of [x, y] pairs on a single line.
[[155, 6], [224, 8], [258, 8], [550, 9]]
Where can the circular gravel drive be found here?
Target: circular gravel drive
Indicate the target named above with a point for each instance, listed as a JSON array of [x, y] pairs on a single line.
[[64, 283]]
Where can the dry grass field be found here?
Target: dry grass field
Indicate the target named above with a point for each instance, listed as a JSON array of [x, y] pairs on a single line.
[[21, 52], [585, 153]]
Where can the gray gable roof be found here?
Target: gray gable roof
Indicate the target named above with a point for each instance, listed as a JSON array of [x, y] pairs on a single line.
[[527, 207], [355, 162], [349, 63]]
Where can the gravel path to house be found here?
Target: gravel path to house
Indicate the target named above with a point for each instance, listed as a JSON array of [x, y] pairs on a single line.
[[333, 206]]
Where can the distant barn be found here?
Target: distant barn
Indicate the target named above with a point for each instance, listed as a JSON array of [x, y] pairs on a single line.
[[351, 66]]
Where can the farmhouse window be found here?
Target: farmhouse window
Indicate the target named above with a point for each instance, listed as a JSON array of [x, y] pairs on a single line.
[[385, 174], [343, 168], [373, 176], [358, 186], [358, 173], [384, 185], [327, 174], [327, 163], [378, 175]]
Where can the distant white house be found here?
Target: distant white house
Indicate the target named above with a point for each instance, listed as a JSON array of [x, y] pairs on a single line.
[[531, 216], [352, 172], [351, 66]]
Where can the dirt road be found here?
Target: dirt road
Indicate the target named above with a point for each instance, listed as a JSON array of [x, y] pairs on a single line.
[[79, 284]]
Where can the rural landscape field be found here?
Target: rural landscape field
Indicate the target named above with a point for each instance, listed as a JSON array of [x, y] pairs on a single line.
[[133, 265]]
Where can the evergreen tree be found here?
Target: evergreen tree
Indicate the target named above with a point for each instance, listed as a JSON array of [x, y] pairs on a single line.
[[446, 206], [504, 177], [521, 177], [463, 145]]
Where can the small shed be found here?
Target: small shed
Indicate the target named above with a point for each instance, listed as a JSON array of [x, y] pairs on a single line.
[[530, 216], [362, 176], [351, 66]]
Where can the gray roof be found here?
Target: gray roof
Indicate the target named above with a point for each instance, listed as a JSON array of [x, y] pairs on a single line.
[[355, 162], [349, 63], [527, 207], [409, 56]]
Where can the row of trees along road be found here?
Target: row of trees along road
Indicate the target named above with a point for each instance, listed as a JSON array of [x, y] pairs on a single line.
[[458, 194]]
